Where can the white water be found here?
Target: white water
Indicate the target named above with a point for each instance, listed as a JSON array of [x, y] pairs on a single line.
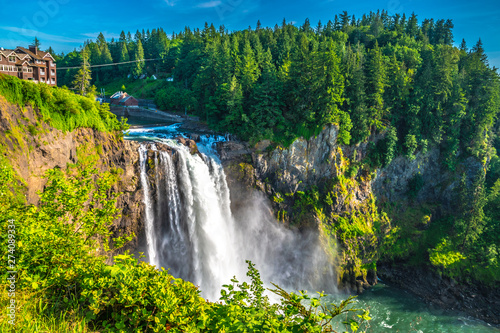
[[191, 230], [151, 240]]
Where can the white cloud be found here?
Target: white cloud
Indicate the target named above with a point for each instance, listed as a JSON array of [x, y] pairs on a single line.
[[41, 35], [171, 3], [209, 4]]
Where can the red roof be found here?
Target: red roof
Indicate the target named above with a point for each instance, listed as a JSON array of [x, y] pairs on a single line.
[[40, 55]]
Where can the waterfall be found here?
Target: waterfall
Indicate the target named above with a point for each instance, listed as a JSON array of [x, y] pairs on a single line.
[[150, 236], [191, 230]]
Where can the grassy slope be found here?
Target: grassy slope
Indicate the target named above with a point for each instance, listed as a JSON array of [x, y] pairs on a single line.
[[138, 88]]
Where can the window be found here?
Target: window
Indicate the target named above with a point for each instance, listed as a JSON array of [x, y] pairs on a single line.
[[53, 72], [12, 58]]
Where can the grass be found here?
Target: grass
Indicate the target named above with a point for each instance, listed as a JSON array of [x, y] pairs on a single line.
[[33, 315], [146, 88]]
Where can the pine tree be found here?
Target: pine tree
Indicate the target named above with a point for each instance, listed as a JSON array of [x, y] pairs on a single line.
[[103, 50], [412, 26], [124, 57], [471, 221], [355, 93], [376, 83], [249, 70], [266, 105], [81, 82], [36, 42], [123, 37], [138, 66]]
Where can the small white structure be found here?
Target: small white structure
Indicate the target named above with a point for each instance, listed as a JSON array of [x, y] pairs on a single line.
[[170, 79]]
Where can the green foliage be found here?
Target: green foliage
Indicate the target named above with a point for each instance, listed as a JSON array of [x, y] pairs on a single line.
[[61, 108], [410, 146], [246, 308], [390, 148], [383, 151], [462, 246], [444, 255], [63, 282]]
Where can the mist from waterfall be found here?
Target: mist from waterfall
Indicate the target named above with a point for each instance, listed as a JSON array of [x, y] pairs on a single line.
[[191, 230]]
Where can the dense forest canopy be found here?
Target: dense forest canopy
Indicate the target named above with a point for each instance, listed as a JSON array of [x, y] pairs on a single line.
[[368, 74]]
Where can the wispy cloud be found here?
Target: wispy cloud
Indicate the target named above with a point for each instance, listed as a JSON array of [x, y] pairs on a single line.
[[171, 3], [210, 4], [40, 35]]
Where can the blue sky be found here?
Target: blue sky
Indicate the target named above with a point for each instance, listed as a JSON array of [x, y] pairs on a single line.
[[64, 24]]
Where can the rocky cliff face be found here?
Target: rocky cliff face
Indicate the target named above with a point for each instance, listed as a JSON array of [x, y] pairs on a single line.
[[320, 165], [304, 164], [312, 163], [32, 147]]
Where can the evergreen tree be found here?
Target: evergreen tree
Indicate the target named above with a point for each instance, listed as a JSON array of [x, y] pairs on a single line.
[[81, 82], [249, 70], [266, 106], [138, 66], [36, 42], [375, 86], [124, 57]]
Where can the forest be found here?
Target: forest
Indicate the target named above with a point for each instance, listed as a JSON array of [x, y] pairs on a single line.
[[371, 74]]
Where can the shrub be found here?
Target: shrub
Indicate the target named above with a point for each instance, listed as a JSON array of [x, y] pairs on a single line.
[[62, 108]]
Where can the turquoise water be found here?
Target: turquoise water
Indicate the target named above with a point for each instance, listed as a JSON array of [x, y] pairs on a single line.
[[395, 310]]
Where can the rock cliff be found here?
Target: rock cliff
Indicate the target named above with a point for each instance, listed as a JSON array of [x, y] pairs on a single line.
[[317, 183], [32, 147]]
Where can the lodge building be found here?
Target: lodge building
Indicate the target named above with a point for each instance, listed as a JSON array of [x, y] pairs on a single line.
[[29, 64]]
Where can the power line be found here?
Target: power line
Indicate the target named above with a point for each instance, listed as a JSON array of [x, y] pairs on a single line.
[[113, 64]]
